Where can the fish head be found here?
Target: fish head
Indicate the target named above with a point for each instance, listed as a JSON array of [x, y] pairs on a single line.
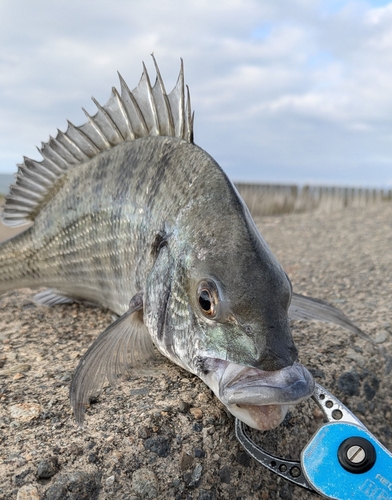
[[240, 297], [217, 303], [246, 353], [223, 315]]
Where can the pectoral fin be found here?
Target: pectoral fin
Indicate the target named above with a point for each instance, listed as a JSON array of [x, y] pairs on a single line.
[[124, 343], [302, 307]]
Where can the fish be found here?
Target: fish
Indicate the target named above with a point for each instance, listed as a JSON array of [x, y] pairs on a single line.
[[126, 212]]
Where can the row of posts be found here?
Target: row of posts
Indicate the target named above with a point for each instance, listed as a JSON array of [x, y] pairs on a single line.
[[271, 199]]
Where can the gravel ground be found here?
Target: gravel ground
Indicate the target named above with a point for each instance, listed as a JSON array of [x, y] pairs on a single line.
[[161, 433]]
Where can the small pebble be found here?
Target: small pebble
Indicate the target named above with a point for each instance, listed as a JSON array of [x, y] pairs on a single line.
[[369, 391], [110, 480], [159, 445], [317, 373], [197, 413], [317, 413], [75, 485], [206, 495], [18, 368], [348, 383], [225, 474], [185, 461], [27, 492], [203, 397], [199, 453], [18, 479], [92, 458], [195, 477], [361, 408], [47, 468], [243, 458], [144, 483], [380, 337], [183, 406], [142, 391], [25, 412], [356, 356], [144, 432]]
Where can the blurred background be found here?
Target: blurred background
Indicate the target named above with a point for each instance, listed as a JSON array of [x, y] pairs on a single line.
[[289, 92]]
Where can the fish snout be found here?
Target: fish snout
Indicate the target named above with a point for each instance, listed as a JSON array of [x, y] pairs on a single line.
[[275, 349], [275, 359]]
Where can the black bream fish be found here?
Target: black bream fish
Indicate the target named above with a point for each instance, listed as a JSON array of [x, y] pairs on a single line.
[[130, 214]]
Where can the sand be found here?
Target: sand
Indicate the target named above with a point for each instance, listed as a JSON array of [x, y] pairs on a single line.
[[161, 433]]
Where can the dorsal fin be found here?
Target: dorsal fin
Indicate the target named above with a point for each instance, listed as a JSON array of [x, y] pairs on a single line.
[[146, 111]]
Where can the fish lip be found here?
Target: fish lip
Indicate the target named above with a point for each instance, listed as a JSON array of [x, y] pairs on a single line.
[[243, 385]]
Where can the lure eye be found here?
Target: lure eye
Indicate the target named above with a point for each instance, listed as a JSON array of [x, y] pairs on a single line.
[[207, 296]]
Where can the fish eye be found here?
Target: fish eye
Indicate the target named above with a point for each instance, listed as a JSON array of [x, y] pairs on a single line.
[[206, 303], [207, 297]]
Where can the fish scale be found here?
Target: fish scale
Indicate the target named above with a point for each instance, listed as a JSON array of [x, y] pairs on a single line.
[[128, 213]]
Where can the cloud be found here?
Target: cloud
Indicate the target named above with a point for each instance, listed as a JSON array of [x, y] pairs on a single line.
[[288, 91]]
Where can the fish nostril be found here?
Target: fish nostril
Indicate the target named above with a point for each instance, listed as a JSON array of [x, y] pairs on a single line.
[[248, 331]]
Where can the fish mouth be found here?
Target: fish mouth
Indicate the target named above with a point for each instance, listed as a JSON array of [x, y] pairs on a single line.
[[258, 398]]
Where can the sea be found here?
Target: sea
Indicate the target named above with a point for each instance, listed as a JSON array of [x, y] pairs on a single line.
[[5, 181]]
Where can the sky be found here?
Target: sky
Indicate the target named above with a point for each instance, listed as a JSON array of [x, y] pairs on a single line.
[[285, 91]]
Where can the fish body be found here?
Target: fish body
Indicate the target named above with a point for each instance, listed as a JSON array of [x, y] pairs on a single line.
[[130, 214]]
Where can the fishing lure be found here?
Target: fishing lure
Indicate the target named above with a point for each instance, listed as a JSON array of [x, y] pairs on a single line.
[[343, 460]]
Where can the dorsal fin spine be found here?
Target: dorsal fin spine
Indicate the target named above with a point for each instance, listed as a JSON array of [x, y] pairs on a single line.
[[155, 130], [73, 144], [146, 111], [165, 97], [26, 201], [35, 174], [54, 155], [63, 151], [47, 160], [87, 139], [127, 92], [176, 96], [25, 179], [96, 127], [22, 178], [40, 169], [48, 155], [124, 113], [57, 150], [18, 196], [190, 116], [183, 99], [169, 114], [109, 120]]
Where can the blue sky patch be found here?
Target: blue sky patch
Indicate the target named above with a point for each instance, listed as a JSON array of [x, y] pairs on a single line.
[[262, 32]]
